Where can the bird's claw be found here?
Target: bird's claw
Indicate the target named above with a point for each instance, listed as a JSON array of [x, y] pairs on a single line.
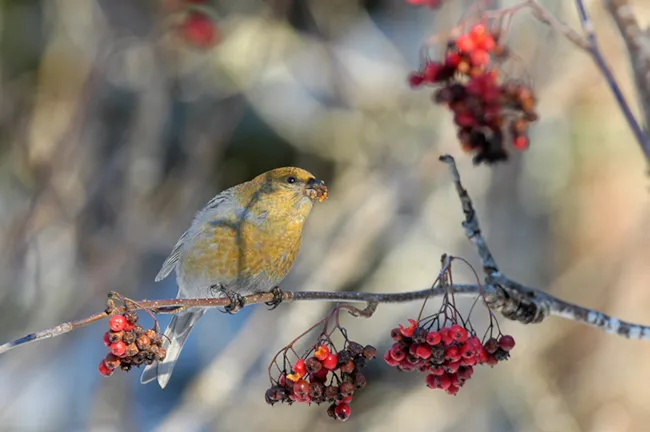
[[237, 301], [277, 298]]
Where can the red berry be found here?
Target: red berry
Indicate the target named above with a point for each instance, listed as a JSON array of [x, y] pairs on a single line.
[[129, 326], [521, 142], [301, 388], [468, 361], [467, 351], [342, 411], [300, 368], [118, 349], [444, 381], [331, 361], [452, 367], [431, 381], [437, 371], [479, 57], [408, 331], [433, 338], [453, 60], [465, 372], [453, 390], [388, 358], [397, 353], [488, 43], [491, 360], [416, 79], [320, 376], [482, 355], [507, 343], [458, 333], [117, 323], [105, 370], [347, 399], [322, 352], [431, 72], [465, 43], [199, 30], [423, 351], [107, 340], [452, 354]]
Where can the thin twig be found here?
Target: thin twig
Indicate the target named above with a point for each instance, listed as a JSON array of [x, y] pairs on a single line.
[[597, 55]]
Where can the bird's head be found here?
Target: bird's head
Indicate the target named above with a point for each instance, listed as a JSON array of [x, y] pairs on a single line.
[[295, 183]]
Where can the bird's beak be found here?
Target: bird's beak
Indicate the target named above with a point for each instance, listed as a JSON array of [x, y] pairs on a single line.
[[316, 189]]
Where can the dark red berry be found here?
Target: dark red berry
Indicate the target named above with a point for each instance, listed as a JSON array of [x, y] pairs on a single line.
[[107, 339], [507, 343], [491, 346], [301, 388], [369, 352], [117, 323], [342, 412]]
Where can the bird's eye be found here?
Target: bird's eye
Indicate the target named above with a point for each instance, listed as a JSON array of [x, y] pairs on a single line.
[[291, 180]]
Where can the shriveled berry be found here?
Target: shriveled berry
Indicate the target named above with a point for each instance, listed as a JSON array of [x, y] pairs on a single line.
[[143, 342], [105, 370], [316, 391], [118, 349], [300, 368], [355, 348], [331, 393], [129, 337], [360, 380], [507, 343], [112, 361], [131, 350], [360, 361], [346, 389], [342, 412], [433, 338], [501, 355], [331, 361], [322, 352], [348, 367], [313, 365], [396, 334], [275, 394], [162, 353], [117, 323], [344, 357], [131, 316], [369, 352], [420, 335], [114, 336], [465, 372]]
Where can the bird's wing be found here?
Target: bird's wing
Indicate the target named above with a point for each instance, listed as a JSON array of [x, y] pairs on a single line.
[[174, 256]]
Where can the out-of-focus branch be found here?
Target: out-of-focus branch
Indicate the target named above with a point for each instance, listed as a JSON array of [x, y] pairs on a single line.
[[512, 299], [596, 53], [637, 42]]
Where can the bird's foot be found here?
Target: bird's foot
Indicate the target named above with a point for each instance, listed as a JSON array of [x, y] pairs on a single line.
[[277, 298], [237, 301]]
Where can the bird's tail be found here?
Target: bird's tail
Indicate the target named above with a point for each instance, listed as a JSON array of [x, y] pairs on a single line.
[[175, 336]]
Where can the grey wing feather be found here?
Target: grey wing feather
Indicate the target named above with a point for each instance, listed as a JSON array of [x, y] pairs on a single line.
[[172, 259]]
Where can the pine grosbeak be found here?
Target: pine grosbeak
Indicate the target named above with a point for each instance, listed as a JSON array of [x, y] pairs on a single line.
[[245, 240]]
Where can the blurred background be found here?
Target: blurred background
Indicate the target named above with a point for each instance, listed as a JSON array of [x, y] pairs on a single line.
[[114, 131]]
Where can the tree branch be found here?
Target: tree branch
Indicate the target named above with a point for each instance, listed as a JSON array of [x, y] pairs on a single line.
[[512, 299], [594, 50], [637, 42]]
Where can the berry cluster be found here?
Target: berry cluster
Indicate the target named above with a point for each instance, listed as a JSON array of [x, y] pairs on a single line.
[[324, 375], [488, 111], [130, 344], [447, 354]]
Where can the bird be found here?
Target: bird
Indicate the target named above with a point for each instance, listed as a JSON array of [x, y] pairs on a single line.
[[244, 241]]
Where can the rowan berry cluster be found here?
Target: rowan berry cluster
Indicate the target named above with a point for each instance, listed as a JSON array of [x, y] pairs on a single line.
[[130, 344], [488, 111], [446, 353], [323, 375]]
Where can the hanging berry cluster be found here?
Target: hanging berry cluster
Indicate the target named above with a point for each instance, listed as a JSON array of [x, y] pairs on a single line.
[[445, 345], [445, 350], [489, 112], [130, 344], [322, 374]]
